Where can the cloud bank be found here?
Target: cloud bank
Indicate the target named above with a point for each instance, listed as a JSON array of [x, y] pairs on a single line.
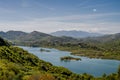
[[84, 22]]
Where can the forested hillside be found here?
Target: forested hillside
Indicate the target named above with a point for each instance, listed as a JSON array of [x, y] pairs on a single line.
[[18, 64], [107, 46], [34, 38], [3, 42]]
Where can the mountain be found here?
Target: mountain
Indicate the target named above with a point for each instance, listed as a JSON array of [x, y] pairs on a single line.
[[37, 39], [75, 34], [34, 38], [35, 35], [3, 42], [12, 35], [104, 39], [19, 35], [110, 43]]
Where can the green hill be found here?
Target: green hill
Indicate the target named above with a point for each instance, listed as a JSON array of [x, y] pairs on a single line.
[[34, 38], [3, 42], [107, 43], [12, 35], [37, 39], [18, 64], [103, 39], [107, 46]]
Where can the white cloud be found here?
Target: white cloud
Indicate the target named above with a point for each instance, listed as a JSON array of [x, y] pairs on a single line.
[[48, 25], [81, 17]]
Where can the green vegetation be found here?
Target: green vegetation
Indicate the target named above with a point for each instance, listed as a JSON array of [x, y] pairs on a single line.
[[3, 42], [106, 47], [44, 50], [18, 64], [110, 50], [68, 58]]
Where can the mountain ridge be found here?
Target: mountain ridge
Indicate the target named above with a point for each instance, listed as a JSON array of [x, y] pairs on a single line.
[[43, 38], [75, 34], [33, 38], [12, 35]]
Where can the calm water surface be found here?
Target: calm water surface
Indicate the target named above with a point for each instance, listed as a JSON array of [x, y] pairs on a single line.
[[95, 67]]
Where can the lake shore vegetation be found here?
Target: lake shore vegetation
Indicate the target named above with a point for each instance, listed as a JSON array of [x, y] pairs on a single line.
[[69, 58]]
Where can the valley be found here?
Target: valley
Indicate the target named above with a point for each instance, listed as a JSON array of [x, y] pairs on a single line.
[[103, 47]]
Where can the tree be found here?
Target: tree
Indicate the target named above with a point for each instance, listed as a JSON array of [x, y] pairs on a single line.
[[119, 72]]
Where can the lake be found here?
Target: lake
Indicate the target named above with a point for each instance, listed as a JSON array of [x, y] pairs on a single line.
[[96, 67]]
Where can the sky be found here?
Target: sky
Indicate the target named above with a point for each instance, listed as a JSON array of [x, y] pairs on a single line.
[[98, 16]]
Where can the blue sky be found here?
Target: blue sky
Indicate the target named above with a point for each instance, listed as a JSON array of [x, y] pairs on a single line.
[[102, 16]]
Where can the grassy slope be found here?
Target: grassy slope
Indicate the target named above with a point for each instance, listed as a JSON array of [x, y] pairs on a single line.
[[18, 64], [21, 63]]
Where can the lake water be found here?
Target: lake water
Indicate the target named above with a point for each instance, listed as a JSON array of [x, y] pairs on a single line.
[[95, 67]]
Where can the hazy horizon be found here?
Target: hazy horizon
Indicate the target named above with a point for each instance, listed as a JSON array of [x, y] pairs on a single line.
[[97, 16], [60, 31]]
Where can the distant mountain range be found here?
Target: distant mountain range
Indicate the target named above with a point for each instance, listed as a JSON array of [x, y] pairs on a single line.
[[36, 38], [12, 35], [104, 38], [75, 34]]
